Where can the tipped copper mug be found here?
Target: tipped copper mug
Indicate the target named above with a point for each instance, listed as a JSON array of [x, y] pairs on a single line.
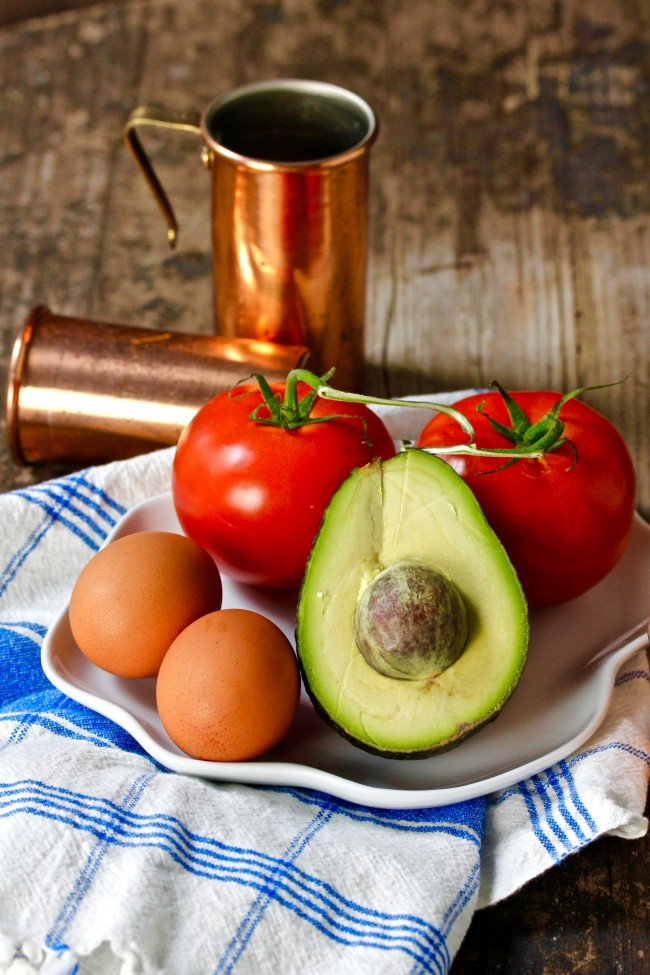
[[82, 392], [289, 162]]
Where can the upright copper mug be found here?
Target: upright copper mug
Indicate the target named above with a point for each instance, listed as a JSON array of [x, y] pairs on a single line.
[[289, 162]]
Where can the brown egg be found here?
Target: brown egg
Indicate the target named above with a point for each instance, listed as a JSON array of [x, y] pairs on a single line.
[[135, 596], [228, 687]]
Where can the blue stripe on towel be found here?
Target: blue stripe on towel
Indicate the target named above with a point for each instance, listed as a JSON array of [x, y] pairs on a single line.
[[547, 806], [567, 796], [82, 479], [24, 722], [20, 661], [64, 500], [552, 776], [22, 553], [55, 515], [611, 746], [307, 896], [562, 770], [17, 625], [80, 487], [66, 718], [84, 881], [247, 926], [464, 821], [430, 959], [462, 899], [535, 822], [577, 801], [67, 496]]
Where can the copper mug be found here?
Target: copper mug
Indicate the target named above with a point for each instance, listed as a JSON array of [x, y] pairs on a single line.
[[289, 162], [83, 391]]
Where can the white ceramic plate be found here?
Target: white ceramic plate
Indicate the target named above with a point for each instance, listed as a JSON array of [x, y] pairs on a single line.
[[562, 697]]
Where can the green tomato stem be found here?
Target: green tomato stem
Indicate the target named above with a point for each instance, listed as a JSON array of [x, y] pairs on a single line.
[[474, 451], [337, 395], [520, 451], [529, 440]]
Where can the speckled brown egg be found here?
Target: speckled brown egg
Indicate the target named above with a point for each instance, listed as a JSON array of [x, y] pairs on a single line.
[[228, 687], [136, 595]]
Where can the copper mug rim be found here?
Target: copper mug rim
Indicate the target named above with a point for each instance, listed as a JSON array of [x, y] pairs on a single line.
[[290, 87], [199, 123]]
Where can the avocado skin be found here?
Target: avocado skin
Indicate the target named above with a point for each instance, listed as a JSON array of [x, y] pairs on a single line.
[[463, 730]]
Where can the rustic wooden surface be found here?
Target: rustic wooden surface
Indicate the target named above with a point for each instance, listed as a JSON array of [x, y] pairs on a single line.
[[510, 239], [13, 11]]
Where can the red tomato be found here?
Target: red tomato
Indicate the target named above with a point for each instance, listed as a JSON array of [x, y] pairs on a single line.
[[254, 495], [564, 518]]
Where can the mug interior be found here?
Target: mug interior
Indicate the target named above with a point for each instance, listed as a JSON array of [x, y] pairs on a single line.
[[289, 122]]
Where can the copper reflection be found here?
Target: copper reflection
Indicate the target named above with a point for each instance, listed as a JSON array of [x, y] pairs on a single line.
[[289, 251], [289, 160], [86, 392]]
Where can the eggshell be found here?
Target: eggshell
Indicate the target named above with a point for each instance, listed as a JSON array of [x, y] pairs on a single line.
[[135, 596], [228, 687]]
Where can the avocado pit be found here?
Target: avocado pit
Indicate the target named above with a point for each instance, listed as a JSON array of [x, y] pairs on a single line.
[[410, 622]]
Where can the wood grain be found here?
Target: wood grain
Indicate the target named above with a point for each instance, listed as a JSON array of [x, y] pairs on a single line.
[[16, 11], [509, 212], [509, 230]]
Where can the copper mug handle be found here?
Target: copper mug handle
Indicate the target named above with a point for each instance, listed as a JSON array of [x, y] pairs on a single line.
[[148, 115], [289, 205]]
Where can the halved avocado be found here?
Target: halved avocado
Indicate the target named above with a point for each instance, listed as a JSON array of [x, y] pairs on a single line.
[[412, 509]]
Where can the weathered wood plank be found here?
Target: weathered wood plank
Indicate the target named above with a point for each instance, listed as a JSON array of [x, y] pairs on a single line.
[[15, 11], [588, 915], [510, 238], [509, 222]]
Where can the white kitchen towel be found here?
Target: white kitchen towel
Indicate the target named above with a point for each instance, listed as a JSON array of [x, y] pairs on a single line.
[[111, 863]]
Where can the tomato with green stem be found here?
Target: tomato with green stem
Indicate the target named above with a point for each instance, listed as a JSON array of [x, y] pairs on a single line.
[[563, 505], [256, 467]]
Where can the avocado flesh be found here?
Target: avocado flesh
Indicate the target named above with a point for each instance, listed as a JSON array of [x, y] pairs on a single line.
[[413, 506]]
